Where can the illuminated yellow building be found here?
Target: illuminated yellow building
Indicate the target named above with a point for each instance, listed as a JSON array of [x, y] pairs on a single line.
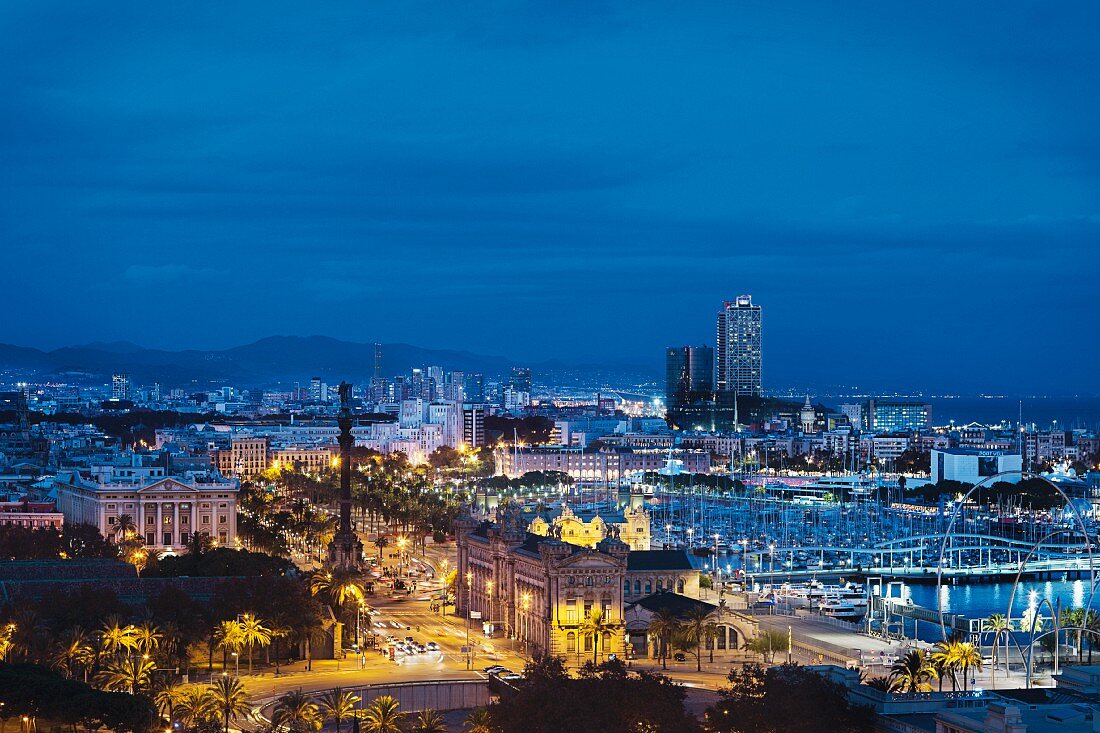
[[541, 589], [588, 529]]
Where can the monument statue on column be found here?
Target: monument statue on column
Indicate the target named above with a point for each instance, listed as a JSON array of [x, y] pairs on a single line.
[[345, 550]]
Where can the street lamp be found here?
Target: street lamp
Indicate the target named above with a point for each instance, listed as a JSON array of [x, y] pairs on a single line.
[[443, 604], [236, 665], [401, 542], [668, 535]]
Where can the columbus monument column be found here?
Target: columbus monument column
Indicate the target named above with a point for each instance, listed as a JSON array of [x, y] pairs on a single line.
[[345, 550]]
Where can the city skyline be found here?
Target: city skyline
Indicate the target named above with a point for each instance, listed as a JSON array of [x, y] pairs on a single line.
[[912, 193]]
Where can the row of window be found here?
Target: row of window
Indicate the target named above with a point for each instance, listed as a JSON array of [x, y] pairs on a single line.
[[649, 586], [571, 642], [184, 519], [589, 581], [167, 537], [27, 522]]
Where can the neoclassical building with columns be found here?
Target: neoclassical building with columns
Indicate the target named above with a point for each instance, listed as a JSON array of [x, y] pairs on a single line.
[[167, 511], [540, 589]]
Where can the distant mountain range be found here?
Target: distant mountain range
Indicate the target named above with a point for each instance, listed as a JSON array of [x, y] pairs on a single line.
[[275, 359]]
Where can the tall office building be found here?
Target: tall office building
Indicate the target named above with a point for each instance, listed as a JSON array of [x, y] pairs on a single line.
[[473, 425], [689, 375], [521, 379], [739, 348], [475, 387], [120, 386]]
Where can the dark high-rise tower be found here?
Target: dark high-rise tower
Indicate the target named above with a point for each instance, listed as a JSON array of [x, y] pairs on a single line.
[[738, 348], [345, 550], [521, 379], [689, 375]]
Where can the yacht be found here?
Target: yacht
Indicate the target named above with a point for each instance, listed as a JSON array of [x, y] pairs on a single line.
[[796, 595], [835, 607]]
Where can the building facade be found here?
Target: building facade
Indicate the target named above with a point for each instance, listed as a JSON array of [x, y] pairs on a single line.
[[167, 511], [30, 514], [971, 465], [897, 416], [603, 466], [540, 590], [739, 348]]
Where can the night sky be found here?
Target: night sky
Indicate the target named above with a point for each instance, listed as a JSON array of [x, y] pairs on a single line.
[[911, 190]]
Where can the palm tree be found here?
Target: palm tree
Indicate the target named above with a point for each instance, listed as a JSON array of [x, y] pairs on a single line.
[[695, 631], [710, 635], [311, 633], [72, 650], [338, 704], [114, 638], [126, 673], [147, 638], [125, 527], [230, 698], [966, 656], [229, 639], [882, 684], [430, 721], [998, 625], [337, 586], [165, 692], [479, 721], [382, 716], [196, 704], [912, 672], [943, 661], [595, 627], [1092, 623], [662, 627], [278, 631], [253, 634], [297, 711], [7, 640]]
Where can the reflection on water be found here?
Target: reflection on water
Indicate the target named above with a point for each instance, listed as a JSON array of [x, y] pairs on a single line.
[[982, 599]]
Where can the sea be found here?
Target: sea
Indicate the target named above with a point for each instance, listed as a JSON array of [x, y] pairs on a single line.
[[1044, 412]]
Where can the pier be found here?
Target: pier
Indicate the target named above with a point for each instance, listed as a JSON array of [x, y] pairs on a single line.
[[1072, 567]]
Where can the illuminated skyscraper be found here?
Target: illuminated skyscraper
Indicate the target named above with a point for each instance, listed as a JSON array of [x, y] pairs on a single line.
[[120, 386], [739, 348]]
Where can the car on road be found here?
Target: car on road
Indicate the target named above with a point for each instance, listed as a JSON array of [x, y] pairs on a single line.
[[432, 646], [511, 677], [679, 657], [495, 668]]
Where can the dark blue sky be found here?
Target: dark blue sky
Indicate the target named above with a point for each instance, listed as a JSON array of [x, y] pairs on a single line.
[[911, 190]]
